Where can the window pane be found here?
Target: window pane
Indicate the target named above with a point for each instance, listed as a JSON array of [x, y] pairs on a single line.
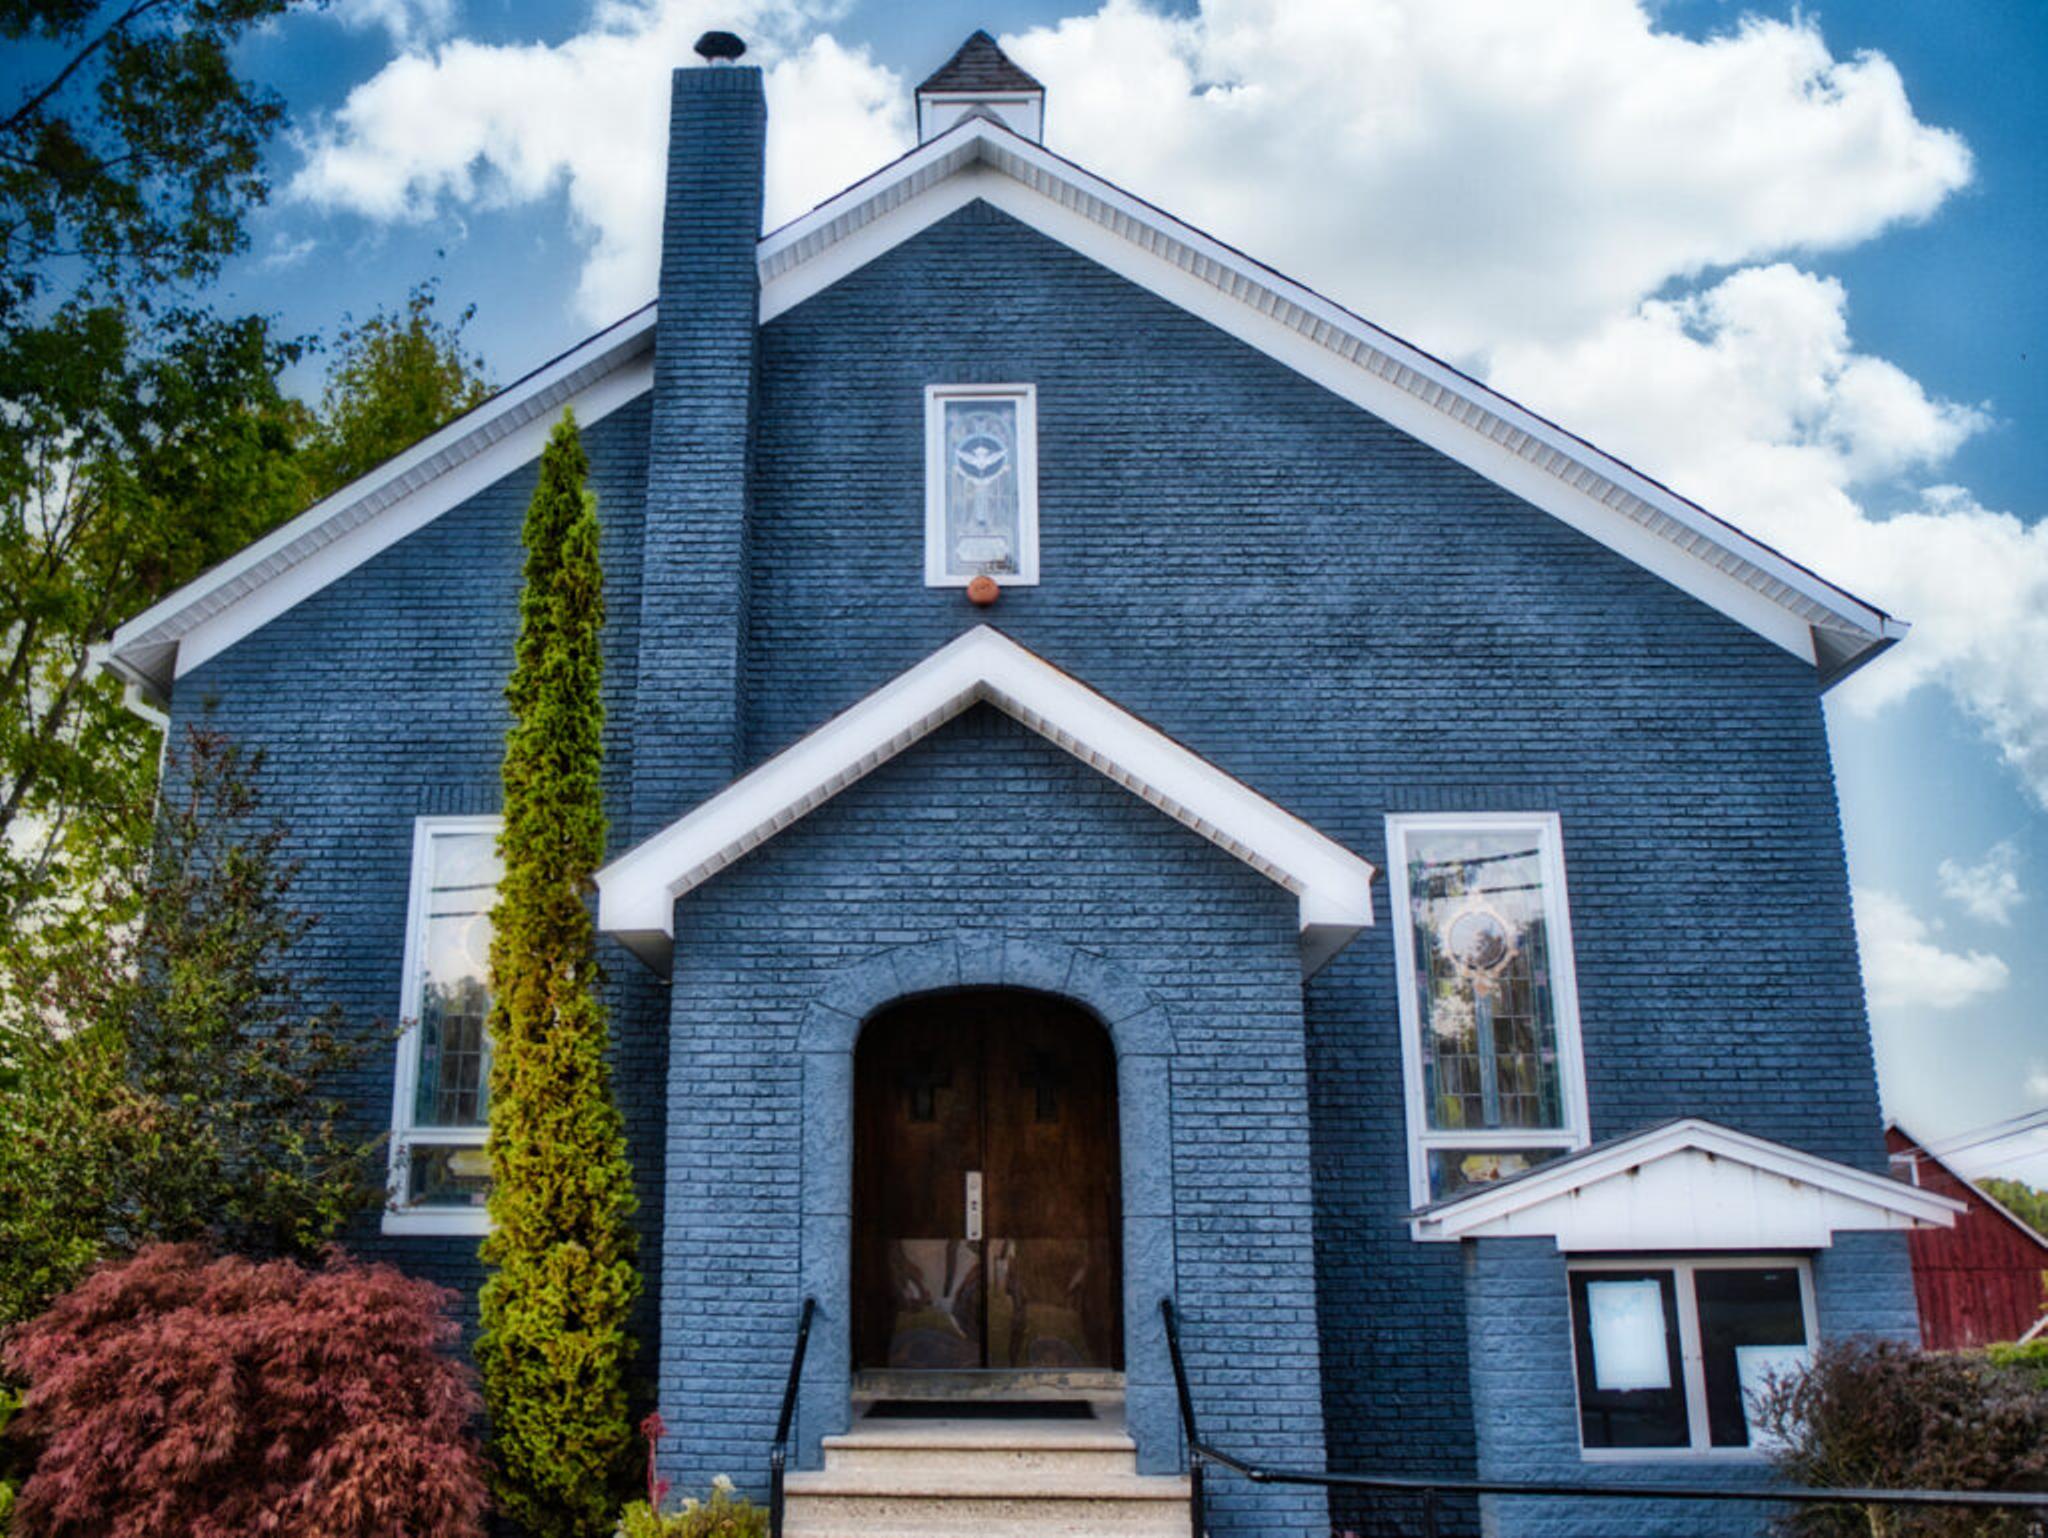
[[1625, 1336], [1752, 1328], [1483, 979], [983, 517], [1452, 1170], [455, 1001], [447, 1177]]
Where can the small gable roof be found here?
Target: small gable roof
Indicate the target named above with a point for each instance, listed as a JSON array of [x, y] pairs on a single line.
[[1686, 1185], [637, 892], [978, 65]]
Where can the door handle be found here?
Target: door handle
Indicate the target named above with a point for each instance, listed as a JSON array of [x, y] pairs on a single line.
[[974, 1205]]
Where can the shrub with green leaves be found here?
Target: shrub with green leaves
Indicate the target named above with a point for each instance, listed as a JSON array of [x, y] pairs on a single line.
[[178, 1082], [553, 1344], [722, 1514]]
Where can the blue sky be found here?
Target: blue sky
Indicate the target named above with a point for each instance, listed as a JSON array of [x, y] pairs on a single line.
[[1785, 259]]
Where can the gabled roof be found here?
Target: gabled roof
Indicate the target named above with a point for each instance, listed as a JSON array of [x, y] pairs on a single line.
[[1686, 1185], [1919, 1150], [977, 158], [1422, 395], [978, 65], [637, 892]]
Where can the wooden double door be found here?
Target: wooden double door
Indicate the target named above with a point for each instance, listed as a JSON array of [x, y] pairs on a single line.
[[985, 1208]]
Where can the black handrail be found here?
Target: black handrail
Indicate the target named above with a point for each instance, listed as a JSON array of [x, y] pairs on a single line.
[[778, 1451], [1431, 1487]]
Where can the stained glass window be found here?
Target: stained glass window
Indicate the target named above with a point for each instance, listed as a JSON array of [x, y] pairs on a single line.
[[1491, 1042], [439, 1164], [981, 470]]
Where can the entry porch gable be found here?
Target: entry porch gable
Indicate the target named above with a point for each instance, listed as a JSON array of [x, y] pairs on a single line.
[[638, 891]]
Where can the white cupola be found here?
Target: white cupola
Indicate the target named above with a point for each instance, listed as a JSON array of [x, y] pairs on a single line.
[[980, 81]]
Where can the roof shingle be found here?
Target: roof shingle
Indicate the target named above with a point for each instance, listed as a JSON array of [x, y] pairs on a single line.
[[979, 65]]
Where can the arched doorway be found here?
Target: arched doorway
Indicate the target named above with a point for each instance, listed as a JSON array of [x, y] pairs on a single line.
[[986, 1207]]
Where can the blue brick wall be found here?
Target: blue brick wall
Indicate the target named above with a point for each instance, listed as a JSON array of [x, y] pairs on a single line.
[[1356, 625], [985, 830], [380, 699], [1351, 622], [1525, 1405]]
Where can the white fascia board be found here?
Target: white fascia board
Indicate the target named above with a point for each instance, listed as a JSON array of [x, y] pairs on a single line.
[[1592, 492], [335, 535], [1689, 1184], [637, 892]]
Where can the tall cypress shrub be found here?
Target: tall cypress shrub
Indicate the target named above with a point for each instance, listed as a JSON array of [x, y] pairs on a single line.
[[553, 1344]]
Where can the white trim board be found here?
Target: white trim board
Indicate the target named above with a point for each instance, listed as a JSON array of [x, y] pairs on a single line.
[[1535, 459], [334, 536], [1687, 1185], [637, 892]]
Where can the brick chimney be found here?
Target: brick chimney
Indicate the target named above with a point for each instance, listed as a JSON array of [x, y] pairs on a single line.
[[693, 619]]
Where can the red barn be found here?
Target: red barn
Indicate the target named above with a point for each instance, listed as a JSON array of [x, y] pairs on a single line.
[[1980, 1281]]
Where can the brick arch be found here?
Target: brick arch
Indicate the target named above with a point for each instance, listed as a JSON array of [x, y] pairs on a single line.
[[1141, 1033]]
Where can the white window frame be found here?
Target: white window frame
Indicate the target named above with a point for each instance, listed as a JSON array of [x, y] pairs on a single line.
[[935, 398], [1692, 1355], [398, 1217], [1548, 830]]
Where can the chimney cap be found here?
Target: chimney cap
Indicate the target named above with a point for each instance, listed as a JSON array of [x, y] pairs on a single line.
[[720, 47]]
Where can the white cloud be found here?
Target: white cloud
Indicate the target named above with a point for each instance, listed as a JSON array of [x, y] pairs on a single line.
[[1988, 890], [406, 22], [1469, 172], [497, 126], [1905, 969], [2037, 1082]]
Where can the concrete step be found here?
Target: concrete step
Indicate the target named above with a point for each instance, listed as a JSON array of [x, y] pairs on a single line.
[[963, 1449], [966, 1478]]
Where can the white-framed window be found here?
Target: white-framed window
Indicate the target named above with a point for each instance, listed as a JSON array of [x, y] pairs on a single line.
[[981, 484], [1496, 1081], [1671, 1357], [440, 1174]]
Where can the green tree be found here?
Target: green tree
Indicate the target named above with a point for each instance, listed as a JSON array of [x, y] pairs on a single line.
[[2023, 1201], [180, 1087], [553, 1345], [132, 150], [394, 378]]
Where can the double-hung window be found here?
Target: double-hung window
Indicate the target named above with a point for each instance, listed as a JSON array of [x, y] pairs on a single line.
[[1675, 1356], [440, 1173], [1489, 1012]]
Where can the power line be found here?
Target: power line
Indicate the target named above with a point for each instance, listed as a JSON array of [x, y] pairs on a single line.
[[2012, 1127]]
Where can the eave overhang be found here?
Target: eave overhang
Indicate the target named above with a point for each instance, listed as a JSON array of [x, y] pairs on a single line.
[[1686, 1185], [637, 893]]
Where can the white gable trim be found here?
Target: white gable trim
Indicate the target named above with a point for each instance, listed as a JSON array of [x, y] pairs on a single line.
[[637, 892], [1688, 1185], [334, 536], [1600, 496]]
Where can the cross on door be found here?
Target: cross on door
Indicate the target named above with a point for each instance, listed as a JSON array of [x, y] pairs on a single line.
[[1046, 1078], [919, 1080]]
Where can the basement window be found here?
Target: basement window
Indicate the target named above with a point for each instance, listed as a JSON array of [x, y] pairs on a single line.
[[981, 484], [1489, 1007], [440, 1173], [1674, 1357]]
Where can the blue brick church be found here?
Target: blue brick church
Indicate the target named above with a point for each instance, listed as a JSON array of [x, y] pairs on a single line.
[[1128, 783]]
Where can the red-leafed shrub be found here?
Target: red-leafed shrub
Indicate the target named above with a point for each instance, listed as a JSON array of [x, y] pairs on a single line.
[[178, 1396]]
